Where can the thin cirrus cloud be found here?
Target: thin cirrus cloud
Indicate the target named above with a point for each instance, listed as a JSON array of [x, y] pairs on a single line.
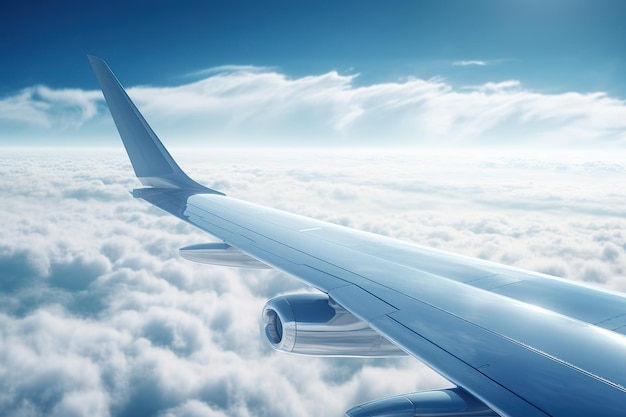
[[468, 63], [99, 316], [244, 105], [228, 68]]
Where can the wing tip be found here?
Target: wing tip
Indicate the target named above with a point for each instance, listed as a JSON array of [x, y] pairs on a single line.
[[152, 163]]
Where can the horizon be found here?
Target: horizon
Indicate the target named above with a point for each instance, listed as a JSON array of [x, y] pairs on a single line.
[[411, 74]]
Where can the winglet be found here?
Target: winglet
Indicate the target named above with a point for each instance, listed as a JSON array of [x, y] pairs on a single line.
[[153, 164]]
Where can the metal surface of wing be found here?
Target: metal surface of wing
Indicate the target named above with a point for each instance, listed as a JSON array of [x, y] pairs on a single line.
[[524, 343]]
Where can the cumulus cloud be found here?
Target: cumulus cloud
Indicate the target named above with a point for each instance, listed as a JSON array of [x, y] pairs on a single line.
[[99, 316], [244, 104]]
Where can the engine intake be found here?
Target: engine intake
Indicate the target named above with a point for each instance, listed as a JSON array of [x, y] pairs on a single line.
[[315, 325]]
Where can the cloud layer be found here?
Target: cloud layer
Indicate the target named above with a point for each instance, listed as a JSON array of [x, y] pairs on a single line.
[[246, 104], [100, 317]]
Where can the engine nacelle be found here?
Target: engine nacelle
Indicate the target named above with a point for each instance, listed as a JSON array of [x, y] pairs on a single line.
[[443, 403], [313, 324]]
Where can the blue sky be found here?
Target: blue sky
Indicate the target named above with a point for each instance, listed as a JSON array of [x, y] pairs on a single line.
[[549, 48]]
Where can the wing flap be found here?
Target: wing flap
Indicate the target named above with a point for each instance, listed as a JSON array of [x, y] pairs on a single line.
[[516, 367], [506, 403]]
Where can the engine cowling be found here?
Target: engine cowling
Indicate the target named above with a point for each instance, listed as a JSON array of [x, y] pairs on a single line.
[[437, 403], [315, 325]]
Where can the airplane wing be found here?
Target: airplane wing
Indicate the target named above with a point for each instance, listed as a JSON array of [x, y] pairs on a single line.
[[514, 342]]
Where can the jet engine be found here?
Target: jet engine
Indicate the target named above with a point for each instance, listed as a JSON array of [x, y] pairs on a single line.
[[315, 325]]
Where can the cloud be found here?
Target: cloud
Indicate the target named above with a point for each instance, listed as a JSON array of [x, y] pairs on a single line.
[[46, 107], [501, 87], [99, 316], [230, 69], [245, 104], [469, 63]]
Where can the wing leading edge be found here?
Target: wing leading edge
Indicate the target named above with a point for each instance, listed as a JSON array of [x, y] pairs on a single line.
[[471, 320]]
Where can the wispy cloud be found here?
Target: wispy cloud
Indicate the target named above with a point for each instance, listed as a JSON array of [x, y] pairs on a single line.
[[263, 106], [47, 107], [228, 68], [468, 63], [497, 87]]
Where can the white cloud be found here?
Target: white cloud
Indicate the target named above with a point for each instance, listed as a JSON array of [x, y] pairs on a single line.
[[500, 87], [243, 104], [229, 68], [99, 315], [46, 107], [468, 63]]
